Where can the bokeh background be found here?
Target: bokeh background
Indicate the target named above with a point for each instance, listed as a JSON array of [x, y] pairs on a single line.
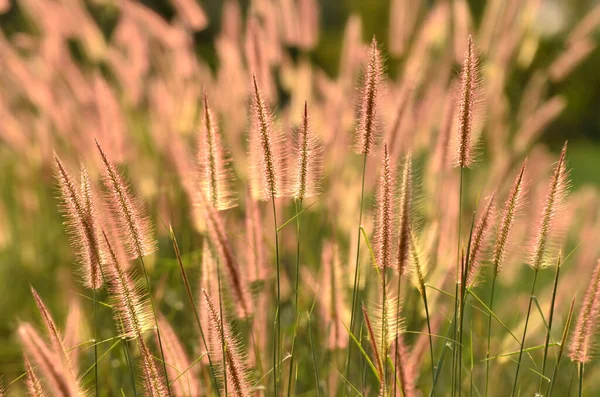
[[132, 73]]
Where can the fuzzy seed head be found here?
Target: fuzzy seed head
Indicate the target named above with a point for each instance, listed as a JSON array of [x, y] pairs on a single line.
[[511, 208], [404, 224], [479, 240], [367, 130], [214, 163], [265, 142], [131, 310], [154, 380], [384, 214], [222, 337], [34, 386], [81, 223], [582, 348], [468, 98], [134, 225], [308, 163], [557, 191]]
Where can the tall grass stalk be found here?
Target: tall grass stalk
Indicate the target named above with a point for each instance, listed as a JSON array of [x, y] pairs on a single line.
[[314, 356], [580, 373], [562, 347], [95, 345], [194, 308], [397, 331], [456, 290], [489, 329], [356, 271], [535, 274], [298, 205], [550, 318], [277, 342], [222, 315], [162, 354]]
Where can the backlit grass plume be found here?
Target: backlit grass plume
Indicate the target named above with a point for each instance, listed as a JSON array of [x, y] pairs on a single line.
[[468, 98], [383, 236], [185, 382], [134, 226], [59, 352], [34, 386], [557, 191], [36, 349], [223, 344], [131, 310], [264, 143], [479, 241], [404, 216], [511, 207], [308, 163], [216, 176], [367, 129], [583, 342], [81, 223], [154, 381], [333, 307]]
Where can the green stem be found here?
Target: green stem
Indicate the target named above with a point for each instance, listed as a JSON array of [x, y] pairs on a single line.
[[193, 304], [162, 354], [278, 314], [126, 349], [356, 272], [223, 345], [298, 205], [429, 331], [561, 349], [314, 356], [396, 333], [384, 325], [524, 333], [581, 379], [549, 331], [489, 335], [95, 346], [456, 297]]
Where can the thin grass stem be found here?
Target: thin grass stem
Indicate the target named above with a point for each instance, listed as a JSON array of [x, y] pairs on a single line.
[[298, 205], [356, 271], [524, 333], [314, 356], [162, 354], [95, 346], [397, 330], [562, 346], [489, 335], [458, 273], [278, 314], [549, 328], [223, 345], [581, 379]]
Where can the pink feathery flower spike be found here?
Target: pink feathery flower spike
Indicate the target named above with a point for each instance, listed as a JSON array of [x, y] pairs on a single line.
[[582, 344], [367, 129], [383, 235], [135, 227]]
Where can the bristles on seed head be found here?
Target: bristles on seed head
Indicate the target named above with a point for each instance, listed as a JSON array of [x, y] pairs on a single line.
[[384, 214], [264, 144], [36, 349], [582, 348], [555, 198], [367, 130], [468, 99], [404, 224], [308, 163], [131, 310], [417, 266], [184, 382], [218, 237], [81, 222], [479, 241], [58, 348], [154, 380], [34, 386], [223, 340], [214, 163], [511, 208], [135, 227]]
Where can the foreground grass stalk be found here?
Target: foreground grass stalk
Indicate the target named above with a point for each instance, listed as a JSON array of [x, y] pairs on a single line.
[[95, 346], [551, 317], [223, 345], [314, 356], [194, 308], [356, 272], [396, 333], [298, 205], [524, 333], [276, 345], [489, 335], [456, 290], [562, 347], [581, 379], [162, 354]]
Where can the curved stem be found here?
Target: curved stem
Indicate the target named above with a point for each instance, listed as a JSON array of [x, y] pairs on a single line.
[[524, 334]]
